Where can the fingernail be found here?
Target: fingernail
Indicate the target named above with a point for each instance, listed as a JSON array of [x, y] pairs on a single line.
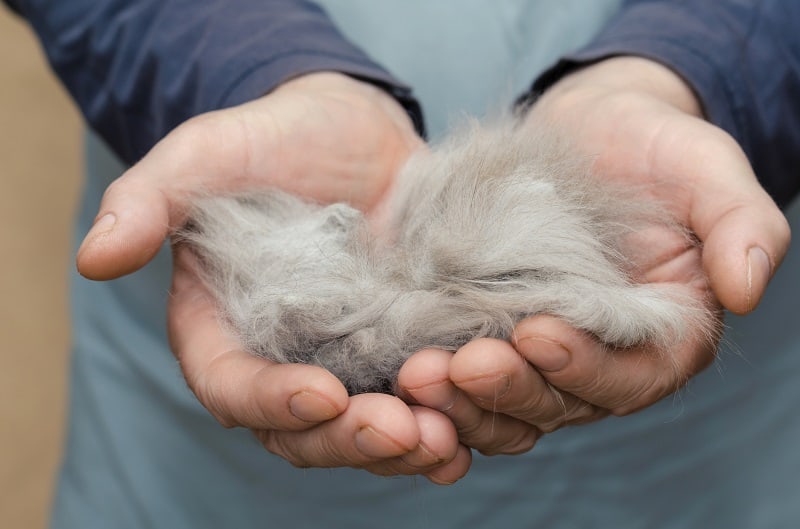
[[311, 407], [103, 225], [422, 457], [439, 395], [373, 443], [544, 354], [488, 388], [439, 481], [758, 274]]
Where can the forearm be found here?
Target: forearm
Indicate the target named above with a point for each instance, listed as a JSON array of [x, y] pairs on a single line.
[[741, 58], [138, 69]]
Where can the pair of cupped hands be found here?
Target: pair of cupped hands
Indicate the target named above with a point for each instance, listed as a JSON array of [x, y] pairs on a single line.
[[332, 138]]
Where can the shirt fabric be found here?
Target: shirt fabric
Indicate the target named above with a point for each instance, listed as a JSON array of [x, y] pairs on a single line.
[[741, 57], [142, 452], [138, 69]]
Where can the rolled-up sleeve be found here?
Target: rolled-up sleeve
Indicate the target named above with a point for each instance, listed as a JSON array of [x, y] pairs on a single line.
[[138, 68], [741, 57]]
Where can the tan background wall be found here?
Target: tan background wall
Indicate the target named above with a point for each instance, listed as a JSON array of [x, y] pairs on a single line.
[[39, 179]]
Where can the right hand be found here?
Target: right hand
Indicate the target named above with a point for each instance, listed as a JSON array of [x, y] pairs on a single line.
[[324, 136]]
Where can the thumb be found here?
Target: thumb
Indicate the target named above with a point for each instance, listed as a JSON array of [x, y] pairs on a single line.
[[745, 246], [745, 236], [139, 209], [129, 230]]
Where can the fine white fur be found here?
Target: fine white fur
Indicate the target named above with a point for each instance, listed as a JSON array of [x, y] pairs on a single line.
[[486, 229]]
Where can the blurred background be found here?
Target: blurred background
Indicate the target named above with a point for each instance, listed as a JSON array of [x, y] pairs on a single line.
[[40, 173]]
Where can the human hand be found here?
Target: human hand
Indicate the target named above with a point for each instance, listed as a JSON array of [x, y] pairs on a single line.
[[642, 126], [324, 136], [302, 412]]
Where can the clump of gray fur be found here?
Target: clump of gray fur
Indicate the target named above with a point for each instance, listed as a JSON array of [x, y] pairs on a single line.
[[487, 228]]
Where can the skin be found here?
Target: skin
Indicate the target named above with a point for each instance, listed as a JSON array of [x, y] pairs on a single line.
[[643, 126], [640, 122], [359, 137]]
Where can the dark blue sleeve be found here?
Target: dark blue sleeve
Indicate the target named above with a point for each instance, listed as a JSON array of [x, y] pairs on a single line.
[[138, 68], [742, 58]]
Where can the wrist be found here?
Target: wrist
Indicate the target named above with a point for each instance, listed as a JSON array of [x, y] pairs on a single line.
[[630, 75], [395, 102]]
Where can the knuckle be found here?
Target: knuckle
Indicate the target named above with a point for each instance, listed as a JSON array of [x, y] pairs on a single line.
[[198, 127], [496, 434], [545, 404], [209, 396], [225, 421], [592, 414], [113, 188], [201, 133], [572, 410], [782, 229], [212, 401], [523, 442], [472, 431], [643, 395], [551, 426], [541, 403]]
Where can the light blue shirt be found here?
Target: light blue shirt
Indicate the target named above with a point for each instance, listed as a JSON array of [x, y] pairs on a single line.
[[142, 452]]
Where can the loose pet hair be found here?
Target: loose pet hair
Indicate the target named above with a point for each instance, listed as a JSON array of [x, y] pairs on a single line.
[[489, 227]]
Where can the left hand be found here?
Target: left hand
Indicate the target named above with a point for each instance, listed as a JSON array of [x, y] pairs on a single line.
[[642, 125]]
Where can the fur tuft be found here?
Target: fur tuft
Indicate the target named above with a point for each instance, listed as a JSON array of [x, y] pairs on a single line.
[[486, 229]]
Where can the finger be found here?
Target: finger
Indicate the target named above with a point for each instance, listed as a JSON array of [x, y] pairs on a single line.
[[438, 443], [438, 456], [373, 428], [360, 137], [456, 469], [621, 381], [139, 208], [425, 379], [442, 474], [744, 233], [238, 388], [742, 251], [498, 378], [127, 233]]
